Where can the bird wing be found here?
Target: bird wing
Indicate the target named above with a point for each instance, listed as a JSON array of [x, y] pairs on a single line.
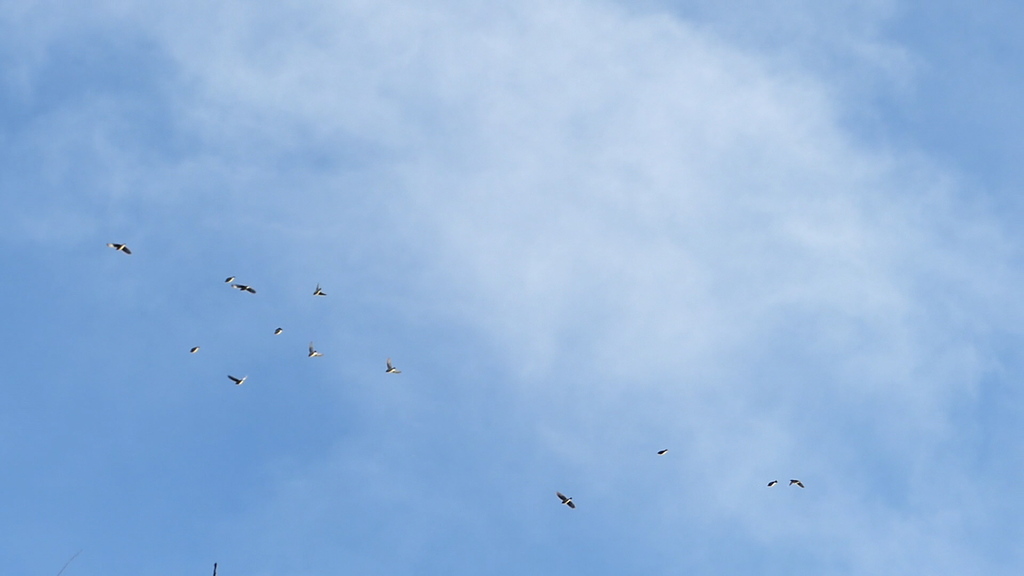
[[125, 249], [390, 367], [561, 496], [571, 504]]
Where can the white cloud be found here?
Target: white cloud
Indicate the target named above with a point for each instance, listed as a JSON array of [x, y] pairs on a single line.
[[632, 209]]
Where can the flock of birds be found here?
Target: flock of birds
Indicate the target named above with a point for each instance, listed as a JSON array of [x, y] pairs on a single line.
[[390, 369], [567, 500], [230, 280]]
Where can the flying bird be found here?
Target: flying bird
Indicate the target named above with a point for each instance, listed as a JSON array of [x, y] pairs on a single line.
[[244, 288], [214, 569], [194, 350], [237, 381], [567, 500], [662, 452], [773, 483], [229, 279], [797, 482], [119, 248], [312, 351], [278, 331], [319, 292], [391, 369]]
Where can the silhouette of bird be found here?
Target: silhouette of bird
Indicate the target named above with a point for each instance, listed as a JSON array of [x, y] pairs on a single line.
[[319, 292], [391, 369], [229, 279], [119, 248], [312, 351], [278, 331], [662, 452], [237, 381], [797, 482], [244, 288], [773, 483], [214, 569], [567, 500], [194, 350]]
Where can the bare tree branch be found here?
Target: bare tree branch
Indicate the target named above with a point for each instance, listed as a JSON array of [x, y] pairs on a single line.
[[69, 562]]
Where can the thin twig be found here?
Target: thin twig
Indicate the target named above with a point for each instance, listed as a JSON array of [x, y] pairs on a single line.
[[69, 562]]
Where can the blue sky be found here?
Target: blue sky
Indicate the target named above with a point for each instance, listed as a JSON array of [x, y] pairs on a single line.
[[780, 241]]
